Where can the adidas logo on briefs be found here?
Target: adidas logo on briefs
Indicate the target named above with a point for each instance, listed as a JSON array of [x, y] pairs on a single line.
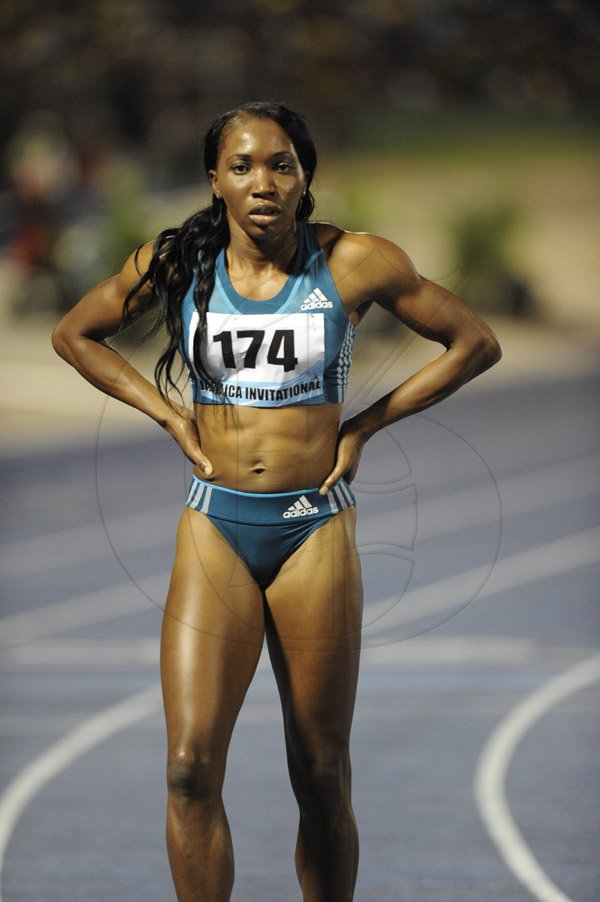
[[300, 508], [316, 301]]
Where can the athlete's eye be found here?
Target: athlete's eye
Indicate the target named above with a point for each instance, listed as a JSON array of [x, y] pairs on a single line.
[[239, 167], [285, 167]]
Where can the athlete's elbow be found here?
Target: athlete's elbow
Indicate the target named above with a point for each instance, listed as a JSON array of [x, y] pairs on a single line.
[[58, 340], [485, 351], [63, 341], [490, 352]]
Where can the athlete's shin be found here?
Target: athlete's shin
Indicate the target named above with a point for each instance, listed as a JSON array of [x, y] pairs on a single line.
[[199, 843], [327, 857]]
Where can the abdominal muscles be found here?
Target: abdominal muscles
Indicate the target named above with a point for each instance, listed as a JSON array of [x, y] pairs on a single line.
[[268, 449]]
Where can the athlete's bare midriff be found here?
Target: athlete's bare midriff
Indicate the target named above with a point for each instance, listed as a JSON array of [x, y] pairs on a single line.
[[277, 449]]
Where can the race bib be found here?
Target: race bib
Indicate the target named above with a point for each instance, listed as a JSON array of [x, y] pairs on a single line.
[[264, 358]]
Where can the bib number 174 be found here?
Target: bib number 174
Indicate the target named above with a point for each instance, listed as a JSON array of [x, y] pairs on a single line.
[[280, 352]]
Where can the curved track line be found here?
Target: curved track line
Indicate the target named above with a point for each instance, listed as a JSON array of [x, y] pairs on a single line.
[[126, 598], [24, 787], [82, 610], [494, 762], [520, 569], [525, 492]]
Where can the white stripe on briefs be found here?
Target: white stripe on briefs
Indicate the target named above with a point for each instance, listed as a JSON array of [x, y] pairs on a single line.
[[332, 504], [195, 491], [206, 502], [340, 496], [347, 494], [198, 496]]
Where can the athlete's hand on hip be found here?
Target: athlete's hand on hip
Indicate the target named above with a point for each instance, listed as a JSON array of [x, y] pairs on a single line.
[[182, 427], [349, 448]]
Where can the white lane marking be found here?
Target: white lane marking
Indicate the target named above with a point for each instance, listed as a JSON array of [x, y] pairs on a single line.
[[83, 610], [28, 782], [83, 544], [493, 764], [522, 493], [478, 651], [19, 793], [520, 569], [517, 570], [85, 655], [368, 707]]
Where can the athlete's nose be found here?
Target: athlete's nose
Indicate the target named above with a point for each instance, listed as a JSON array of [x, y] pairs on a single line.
[[263, 185]]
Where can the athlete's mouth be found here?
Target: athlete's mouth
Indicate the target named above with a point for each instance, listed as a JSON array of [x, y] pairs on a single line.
[[265, 210]]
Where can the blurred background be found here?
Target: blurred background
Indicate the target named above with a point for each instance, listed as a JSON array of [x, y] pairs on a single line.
[[467, 132], [464, 130]]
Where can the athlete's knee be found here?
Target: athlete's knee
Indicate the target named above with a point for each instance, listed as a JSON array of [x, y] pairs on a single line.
[[194, 775], [322, 783]]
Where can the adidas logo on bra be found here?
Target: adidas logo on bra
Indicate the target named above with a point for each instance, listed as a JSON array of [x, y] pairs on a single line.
[[300, 508], [316, 301]]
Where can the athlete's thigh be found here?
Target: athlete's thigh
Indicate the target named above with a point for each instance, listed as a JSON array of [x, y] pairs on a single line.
[[212, 635], [316, 598], [314, 610]]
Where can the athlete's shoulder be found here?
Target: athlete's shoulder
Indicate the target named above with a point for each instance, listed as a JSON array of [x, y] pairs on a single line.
[[136, 266], [356, 246], [370, 263]]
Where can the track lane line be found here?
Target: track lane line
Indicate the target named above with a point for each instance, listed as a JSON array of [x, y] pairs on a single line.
[[455, 592], [493, 764], [82, 610], [520, 569], [18, 794], [525, 492]]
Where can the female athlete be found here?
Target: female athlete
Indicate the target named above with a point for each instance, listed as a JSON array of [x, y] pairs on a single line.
[[262, 305]]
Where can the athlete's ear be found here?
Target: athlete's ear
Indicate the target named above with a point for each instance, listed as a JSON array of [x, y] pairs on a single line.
[[212, 175]]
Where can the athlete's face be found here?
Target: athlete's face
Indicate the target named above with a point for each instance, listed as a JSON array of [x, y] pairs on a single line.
[[259, 177]]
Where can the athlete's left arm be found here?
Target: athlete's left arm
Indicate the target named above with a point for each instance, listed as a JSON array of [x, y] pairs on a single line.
[[384, 272]]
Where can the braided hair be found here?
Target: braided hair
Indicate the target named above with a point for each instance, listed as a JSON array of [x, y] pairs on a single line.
[[187, 254]]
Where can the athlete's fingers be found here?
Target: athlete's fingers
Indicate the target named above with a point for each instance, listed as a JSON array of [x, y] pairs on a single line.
[[329, 483], [191, 448], [333, 478], [185, 433], [204, 464]]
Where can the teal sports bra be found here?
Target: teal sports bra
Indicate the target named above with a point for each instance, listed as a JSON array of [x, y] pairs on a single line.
[[294, 348]]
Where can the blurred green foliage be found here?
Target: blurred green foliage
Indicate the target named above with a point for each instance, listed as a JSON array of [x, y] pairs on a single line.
[[482, 241], [124, 225]]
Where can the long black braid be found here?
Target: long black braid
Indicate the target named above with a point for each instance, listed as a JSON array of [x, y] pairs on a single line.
[[181, 256], [185, 255]]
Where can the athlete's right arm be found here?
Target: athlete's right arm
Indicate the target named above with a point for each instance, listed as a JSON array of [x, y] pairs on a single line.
[[79, 339]]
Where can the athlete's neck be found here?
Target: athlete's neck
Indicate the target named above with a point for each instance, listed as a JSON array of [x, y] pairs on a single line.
[[252, 255]]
